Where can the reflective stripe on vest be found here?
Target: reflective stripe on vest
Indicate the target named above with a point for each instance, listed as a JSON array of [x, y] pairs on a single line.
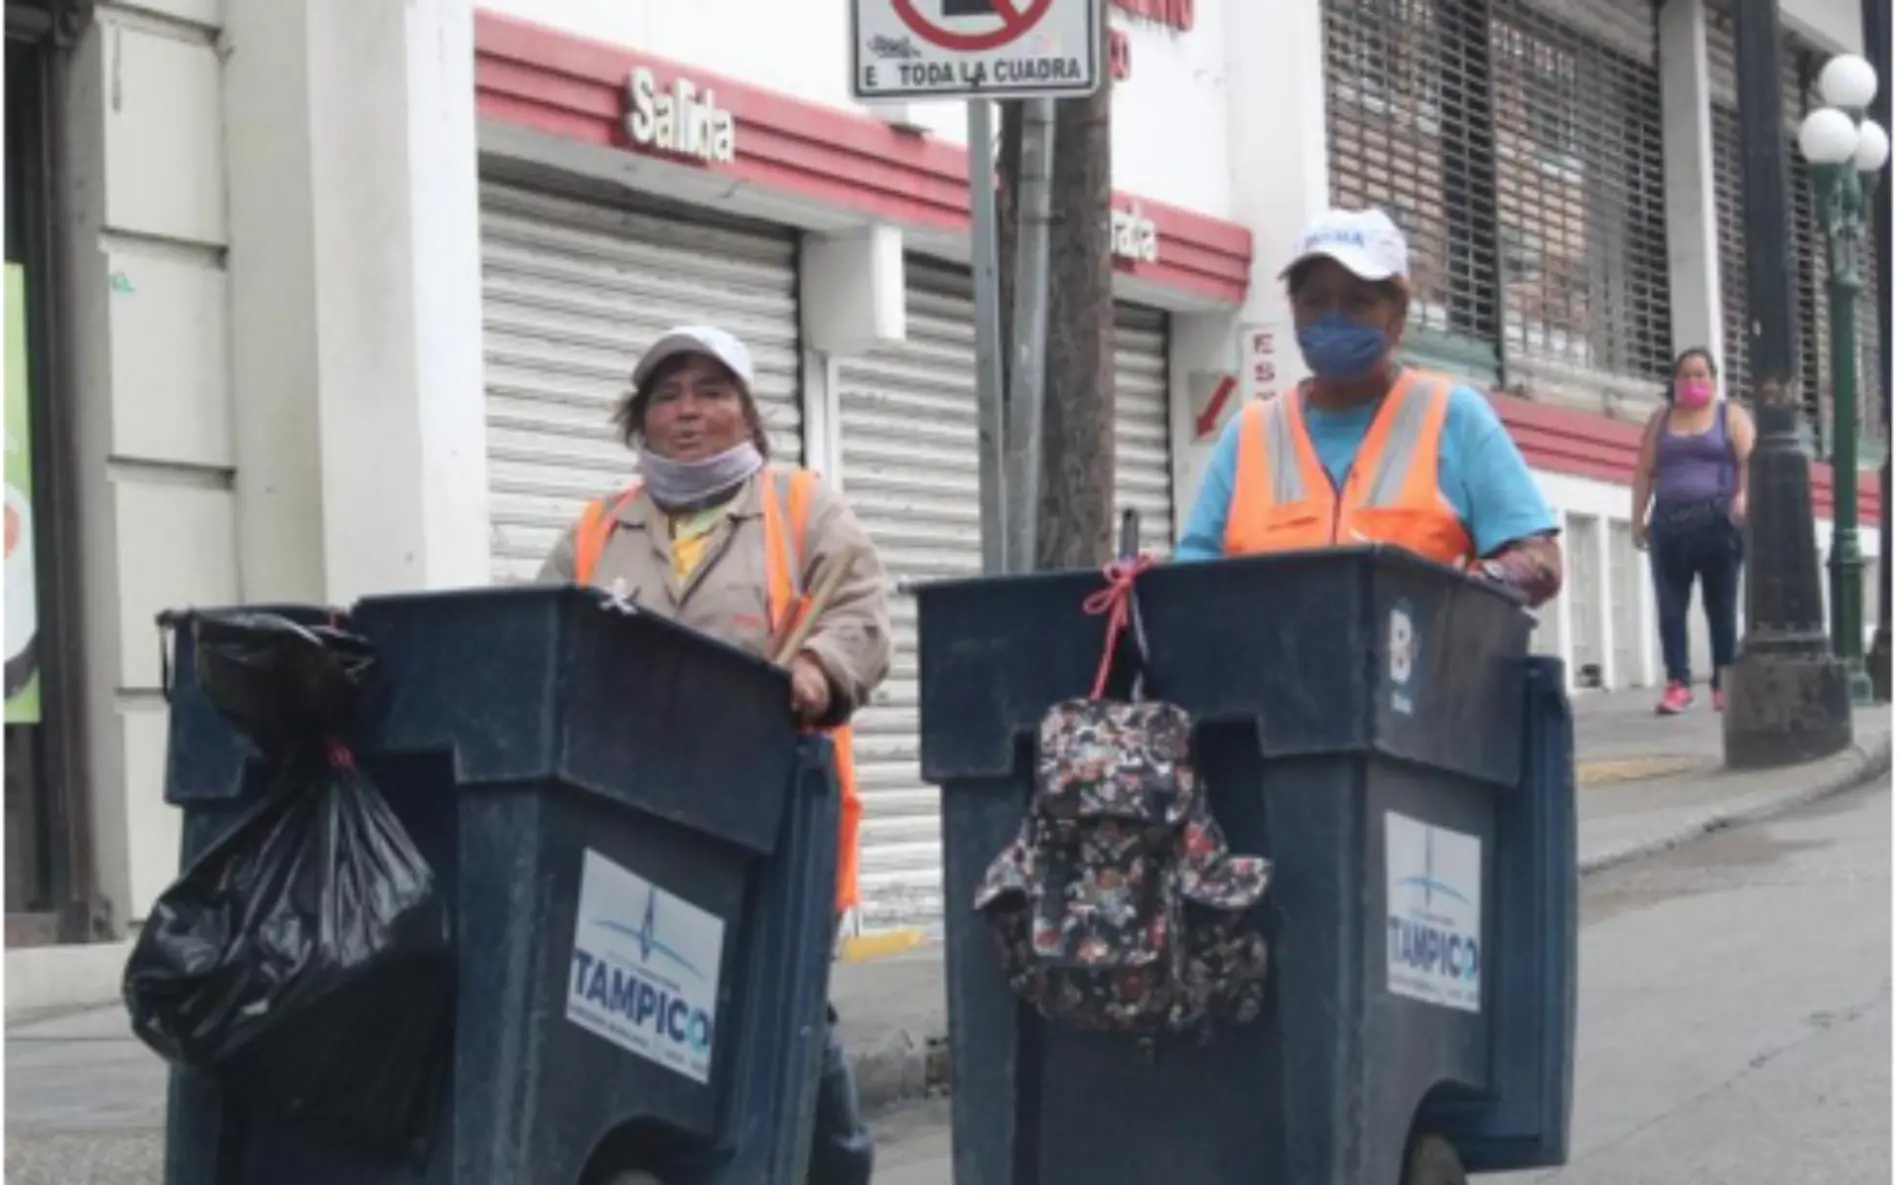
[[1283, 497], [785, 498]]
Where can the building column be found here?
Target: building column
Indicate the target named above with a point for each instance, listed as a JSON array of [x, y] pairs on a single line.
[[355, 274], [143, 228], [1276, 94], [1695, 276]]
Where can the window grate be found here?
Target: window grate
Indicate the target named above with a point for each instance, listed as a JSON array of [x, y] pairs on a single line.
[[1807, 263], [1872, 428], [1521, 153], [1580, 200], [1404, 80]]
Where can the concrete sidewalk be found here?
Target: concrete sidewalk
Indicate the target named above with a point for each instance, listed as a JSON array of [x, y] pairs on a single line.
[[83, 1091]]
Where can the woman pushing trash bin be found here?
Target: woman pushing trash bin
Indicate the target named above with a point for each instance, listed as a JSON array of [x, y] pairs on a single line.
[[1370, 450], [759, 556]]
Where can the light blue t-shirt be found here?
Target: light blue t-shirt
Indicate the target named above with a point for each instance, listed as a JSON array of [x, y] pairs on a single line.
[[1481, 472]]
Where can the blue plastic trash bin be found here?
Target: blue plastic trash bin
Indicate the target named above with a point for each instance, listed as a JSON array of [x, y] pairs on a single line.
[[1370, 722], [640, 852]]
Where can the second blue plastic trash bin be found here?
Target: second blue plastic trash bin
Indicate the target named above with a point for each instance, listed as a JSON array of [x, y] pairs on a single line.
[[1371, 723]]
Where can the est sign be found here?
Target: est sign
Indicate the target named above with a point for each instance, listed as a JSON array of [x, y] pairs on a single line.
[[989, 49]]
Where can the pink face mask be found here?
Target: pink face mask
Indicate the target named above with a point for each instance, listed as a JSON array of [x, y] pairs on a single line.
[[1694, 392]]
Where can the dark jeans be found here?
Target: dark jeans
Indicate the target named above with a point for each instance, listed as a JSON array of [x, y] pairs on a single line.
[[841, 1152], [1679, 555]]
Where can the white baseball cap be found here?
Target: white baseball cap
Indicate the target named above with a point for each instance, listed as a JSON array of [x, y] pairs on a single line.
[[1364, 242], [696, 339]]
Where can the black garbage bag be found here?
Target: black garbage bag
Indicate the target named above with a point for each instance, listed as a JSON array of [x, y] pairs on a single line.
[[304, 960]]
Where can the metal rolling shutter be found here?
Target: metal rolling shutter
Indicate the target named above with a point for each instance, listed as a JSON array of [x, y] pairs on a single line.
[[908, 462], [908, 440], [1406, 108], [1519, 145], [572, 291], [1807, 267], [1578, 104], [1144, 455], [1873, 429]]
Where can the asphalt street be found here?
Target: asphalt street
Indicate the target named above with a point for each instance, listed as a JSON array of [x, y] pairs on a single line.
[[1735, 1018], [1735, 1028]]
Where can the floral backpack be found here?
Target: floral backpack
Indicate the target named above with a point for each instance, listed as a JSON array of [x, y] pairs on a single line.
[[1118, 906]]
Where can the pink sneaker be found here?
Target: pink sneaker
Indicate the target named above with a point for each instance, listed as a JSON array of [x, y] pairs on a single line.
[[1676, 699], [1717, 700]]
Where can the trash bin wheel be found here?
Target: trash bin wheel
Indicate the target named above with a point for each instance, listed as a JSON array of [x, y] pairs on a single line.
[[1432, 1161]]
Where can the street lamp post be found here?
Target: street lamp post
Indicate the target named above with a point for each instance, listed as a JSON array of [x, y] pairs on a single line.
[[1787, 693], [1845, 151]]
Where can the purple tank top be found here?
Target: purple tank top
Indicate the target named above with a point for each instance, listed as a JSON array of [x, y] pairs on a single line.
[[1699, 468]]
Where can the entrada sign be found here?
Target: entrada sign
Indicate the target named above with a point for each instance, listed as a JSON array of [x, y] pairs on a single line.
[[1134, 237], [683, 121]]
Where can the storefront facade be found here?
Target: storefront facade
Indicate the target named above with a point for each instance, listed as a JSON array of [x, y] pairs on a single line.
[[835, 242], [352, 296]]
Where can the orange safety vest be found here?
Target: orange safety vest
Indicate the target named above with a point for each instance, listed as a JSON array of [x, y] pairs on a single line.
[[1284, 498], [786, 601]]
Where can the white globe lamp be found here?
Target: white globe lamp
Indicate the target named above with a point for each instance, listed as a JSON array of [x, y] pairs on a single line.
[[1870, 155], [1829, 137], [1848, 80]]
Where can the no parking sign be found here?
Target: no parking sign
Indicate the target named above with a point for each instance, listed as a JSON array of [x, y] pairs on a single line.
[[989, 49]]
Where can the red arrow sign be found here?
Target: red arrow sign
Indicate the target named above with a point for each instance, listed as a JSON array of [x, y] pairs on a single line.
[[1208, 418]]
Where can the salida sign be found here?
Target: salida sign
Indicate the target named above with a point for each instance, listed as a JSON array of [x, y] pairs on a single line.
[[680, 121], [994, 49]]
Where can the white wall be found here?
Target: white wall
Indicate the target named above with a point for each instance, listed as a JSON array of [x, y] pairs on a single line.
[[1831, 24], [277, 303], [356, 299], [1276, 107]]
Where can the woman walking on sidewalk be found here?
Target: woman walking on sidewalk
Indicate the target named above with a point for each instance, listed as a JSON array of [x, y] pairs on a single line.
[[1694, 461]]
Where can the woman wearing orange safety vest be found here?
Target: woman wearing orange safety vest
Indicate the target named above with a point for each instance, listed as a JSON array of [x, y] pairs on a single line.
[[712, 536], [1370, 450]]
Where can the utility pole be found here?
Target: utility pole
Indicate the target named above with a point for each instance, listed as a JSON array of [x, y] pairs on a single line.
[[1788, 697], [1039, 264], [1075, 520], [1876, 25], [1076, 503]]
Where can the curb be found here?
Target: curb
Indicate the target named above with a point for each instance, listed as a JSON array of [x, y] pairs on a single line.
[[45, 981], [1842, 772], [906, 1066]]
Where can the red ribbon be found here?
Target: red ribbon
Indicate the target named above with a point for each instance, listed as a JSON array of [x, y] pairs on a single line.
[[1113, 602], [340, 755]]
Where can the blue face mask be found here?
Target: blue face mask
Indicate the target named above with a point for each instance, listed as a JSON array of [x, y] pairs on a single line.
[[1339, 349]]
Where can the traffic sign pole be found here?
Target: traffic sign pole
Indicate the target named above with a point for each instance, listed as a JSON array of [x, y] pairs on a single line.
[[982, 51], [991, 495], [1029, 338]]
